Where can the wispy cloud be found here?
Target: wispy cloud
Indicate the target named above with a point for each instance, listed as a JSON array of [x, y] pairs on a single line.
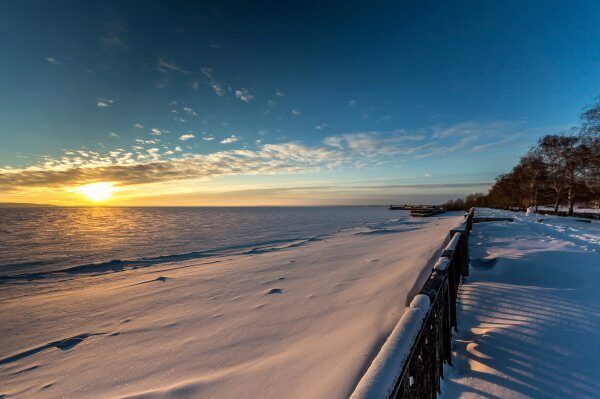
[[155, 131], [149, 160], [150, 141], [194, 84], [104, 102], [113, 135], [113, 39], [52, 61], [189, 111], [127, 168], [244, 95], [278, 93], [161, 83], [166, 65], [138, 126], [473, 128], [295, 112], [364, 148], [218, 89], [208, 72], [231, 139]]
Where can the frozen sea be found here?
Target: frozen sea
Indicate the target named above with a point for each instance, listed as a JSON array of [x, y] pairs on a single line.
[[43, 240]]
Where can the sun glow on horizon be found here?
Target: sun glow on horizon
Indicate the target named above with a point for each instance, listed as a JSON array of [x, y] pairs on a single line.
[[97, 192]]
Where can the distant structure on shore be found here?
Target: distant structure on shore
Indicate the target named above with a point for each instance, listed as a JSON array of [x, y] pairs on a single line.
[[418, 210]]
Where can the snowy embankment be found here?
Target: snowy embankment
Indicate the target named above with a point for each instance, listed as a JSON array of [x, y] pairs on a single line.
[[529, 313], [301, 321]]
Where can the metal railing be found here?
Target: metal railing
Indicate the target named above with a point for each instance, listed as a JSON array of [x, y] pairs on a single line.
[[423, 367]]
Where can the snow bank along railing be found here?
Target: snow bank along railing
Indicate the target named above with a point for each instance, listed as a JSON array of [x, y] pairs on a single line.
[[587, 215], [411, 361]]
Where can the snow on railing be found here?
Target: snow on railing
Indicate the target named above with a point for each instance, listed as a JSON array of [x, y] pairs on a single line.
[[411, 361]]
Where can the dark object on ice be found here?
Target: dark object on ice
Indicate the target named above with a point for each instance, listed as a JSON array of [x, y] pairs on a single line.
[[424, 212], [418, 210]]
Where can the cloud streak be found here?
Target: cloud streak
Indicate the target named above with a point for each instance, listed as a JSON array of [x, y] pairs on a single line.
[[166, 65], [52, 60], [229, 140], [104, 102], [244, 95], [127, 169], [151, 161], [113, 39]]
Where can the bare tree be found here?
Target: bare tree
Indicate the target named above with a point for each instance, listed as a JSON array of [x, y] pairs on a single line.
[[590, 170], [556, 168], [591, 119], [591, 151], [533, 169], [564, 167]]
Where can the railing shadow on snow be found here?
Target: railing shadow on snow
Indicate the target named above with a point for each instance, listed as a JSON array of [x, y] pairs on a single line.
[[410, 364], [586, 215]]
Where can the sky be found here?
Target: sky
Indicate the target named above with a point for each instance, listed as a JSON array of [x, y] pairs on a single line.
[[277, 103]]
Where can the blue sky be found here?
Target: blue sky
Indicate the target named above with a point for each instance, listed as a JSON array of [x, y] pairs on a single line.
[[232, 97]]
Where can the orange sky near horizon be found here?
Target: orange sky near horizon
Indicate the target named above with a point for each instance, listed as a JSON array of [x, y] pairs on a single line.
[[212, 193]]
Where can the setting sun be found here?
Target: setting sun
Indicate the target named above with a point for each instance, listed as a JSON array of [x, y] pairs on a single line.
[[97, 192]]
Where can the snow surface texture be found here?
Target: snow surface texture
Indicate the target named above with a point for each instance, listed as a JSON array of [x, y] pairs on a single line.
[[529, 313], [300, 321]]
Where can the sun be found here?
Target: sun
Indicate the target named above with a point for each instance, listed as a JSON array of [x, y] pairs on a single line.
[[97, 192]]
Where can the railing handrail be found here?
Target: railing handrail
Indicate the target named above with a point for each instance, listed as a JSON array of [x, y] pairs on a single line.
[[436, 322]]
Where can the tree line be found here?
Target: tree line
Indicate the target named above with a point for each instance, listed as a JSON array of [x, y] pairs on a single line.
[[562, 169]]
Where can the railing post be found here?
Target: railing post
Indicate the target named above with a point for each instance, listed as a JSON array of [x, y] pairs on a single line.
[[441, 273], [469, 219], [462, 248]]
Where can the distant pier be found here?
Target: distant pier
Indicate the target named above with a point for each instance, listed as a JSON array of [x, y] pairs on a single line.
[[419, 210]]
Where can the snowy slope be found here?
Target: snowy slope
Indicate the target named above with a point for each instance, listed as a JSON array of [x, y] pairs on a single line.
[[302, 321], [529, 314]]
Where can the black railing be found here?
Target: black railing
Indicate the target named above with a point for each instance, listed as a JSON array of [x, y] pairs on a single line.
[[423, 367]]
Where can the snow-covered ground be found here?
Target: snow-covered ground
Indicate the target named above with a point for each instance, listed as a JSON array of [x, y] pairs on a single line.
[[529, 313], [301, 321]]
